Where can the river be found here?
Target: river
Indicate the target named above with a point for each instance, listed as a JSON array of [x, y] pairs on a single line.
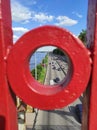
[[36, 59]]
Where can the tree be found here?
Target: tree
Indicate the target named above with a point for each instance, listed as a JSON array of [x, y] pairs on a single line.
[[58, 51], [82, 36]]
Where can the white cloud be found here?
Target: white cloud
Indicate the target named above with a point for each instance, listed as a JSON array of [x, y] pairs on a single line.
[[20, 29], [30, 2], [42, 17], [65, 21], [20, 12], [77, 14], [23, 14], [15, 38]]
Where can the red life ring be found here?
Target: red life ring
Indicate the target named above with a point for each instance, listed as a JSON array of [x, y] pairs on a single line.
[[36, 94]]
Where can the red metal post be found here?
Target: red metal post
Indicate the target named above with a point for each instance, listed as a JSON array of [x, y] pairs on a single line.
[[92, 44], [8, 116], [8, 120]]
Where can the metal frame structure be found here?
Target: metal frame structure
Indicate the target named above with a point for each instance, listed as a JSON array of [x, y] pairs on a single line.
[[8, 115], [11, 56]]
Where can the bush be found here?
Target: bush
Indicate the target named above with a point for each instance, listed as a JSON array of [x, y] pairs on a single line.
[[41, 70]]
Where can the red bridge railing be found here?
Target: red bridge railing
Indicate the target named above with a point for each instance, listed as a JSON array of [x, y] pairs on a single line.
[[20, 82]]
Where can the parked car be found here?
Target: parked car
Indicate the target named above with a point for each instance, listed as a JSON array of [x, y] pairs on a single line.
[[52, 82], [59, 69], [56, 80], [78, 110]]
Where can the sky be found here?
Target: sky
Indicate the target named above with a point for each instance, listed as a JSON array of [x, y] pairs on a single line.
[[29, 14]]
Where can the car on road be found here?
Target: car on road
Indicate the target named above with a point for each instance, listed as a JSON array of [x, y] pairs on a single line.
[[59, 69], [56, 80], [54, 67], [78, 110], [52, 82]]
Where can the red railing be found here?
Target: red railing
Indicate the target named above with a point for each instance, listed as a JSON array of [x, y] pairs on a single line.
[[23, 85]]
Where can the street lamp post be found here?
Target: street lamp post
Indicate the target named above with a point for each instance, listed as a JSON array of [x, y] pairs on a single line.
[[35, 67]]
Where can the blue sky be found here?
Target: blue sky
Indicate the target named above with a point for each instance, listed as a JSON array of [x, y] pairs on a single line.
[[28, 14]]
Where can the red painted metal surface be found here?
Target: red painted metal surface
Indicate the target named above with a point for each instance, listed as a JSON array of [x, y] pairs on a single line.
[[45, 97], [92, 44], [38, 95], [8, 120]]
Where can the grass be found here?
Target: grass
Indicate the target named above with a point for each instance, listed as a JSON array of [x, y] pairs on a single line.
[[42, 75], [41, 70]]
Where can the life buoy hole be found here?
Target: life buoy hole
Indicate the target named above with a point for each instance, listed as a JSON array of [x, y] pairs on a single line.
[[51, 66]]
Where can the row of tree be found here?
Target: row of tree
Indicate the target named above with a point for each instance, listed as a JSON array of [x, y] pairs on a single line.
[[82, 36], [58, 52]]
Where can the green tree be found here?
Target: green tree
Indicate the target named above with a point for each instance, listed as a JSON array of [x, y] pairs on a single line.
[[58, 51], [82, 36]]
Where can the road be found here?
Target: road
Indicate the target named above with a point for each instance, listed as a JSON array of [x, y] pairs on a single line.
[[56, 70], [58, 119]]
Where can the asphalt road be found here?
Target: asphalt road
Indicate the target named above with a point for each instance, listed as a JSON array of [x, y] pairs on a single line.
[[56, 70], [58, 119]]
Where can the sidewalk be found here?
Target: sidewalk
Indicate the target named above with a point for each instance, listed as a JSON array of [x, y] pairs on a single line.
[[21, 121], [60, 119]]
